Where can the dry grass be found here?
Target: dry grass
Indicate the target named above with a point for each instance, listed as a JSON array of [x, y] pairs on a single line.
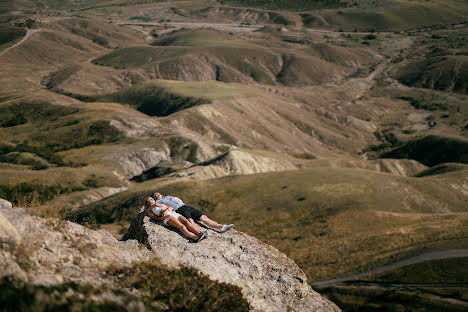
[[331, 221]]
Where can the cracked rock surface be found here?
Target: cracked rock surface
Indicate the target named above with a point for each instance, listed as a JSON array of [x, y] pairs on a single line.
[[269, 280]]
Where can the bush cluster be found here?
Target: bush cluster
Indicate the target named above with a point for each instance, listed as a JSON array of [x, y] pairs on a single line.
[[26, 194]]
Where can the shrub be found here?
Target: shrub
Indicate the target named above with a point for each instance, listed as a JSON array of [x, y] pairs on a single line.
[[182, 289], [31, 194], [370, 37]]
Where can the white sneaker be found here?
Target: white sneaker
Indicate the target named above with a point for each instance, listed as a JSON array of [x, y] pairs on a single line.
[[226, 227]]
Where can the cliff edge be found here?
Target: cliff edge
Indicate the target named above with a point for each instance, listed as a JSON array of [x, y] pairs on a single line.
[[269, 280]]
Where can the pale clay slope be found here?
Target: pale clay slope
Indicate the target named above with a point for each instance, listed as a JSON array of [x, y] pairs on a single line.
[[62, 251], [269, 280]]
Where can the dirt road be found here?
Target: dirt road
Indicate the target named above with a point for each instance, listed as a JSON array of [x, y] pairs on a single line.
[[438, 255], [29, 33]]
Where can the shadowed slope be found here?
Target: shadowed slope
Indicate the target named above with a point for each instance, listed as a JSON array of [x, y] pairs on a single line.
[[447, 73], [433, 150]]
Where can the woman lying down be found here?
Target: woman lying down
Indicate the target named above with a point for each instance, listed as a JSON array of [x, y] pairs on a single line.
[[164, 213]]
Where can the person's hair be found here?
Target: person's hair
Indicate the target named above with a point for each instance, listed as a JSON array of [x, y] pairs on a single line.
[[146, 201]]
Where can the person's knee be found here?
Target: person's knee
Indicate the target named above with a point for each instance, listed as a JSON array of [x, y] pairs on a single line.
[[203, 218]]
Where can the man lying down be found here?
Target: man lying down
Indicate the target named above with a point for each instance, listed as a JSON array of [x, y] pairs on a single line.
[[174, 212]]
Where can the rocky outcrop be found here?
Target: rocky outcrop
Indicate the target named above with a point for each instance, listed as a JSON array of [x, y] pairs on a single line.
[[237, 162], [269, 280], [80, 199], [135, 162], [47, 252]]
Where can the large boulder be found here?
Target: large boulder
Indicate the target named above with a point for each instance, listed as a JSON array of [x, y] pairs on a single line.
[[50, 251], [269, 280]]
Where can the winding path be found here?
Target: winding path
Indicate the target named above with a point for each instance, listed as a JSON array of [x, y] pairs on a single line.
[[437, 255], [29, 33]]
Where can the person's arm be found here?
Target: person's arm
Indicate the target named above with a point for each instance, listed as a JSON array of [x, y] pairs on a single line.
[[177, 199], [151, 214]]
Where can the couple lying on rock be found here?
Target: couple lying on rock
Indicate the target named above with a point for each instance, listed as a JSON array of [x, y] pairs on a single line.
[[172, 211]]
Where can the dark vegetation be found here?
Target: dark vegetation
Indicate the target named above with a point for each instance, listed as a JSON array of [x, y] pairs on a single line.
[[140, 18], [18, 296], [84, 29], [56, 78], [299, 5], [425, 105], [432, 150], [43, 129], [58, 128], [153, 173], [41, 151], [21, 112], [440, 169], [9, 33], [183, 149], [387, 139], [180, 289], [122, 206], [152, 100], [35, 162], [46, 146], [27, 194]]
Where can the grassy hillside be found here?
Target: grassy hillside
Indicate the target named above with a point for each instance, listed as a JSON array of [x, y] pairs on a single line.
[[388, 15], [332, 222], [430, 284], [433, 150], [439, 73], [164, 97], [107, 91], [224, 58], [10, 34]]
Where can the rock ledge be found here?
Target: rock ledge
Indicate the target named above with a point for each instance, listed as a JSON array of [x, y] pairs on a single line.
[[270, 280]]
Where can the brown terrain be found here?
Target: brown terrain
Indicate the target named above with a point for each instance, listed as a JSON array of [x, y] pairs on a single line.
[[343, 126]]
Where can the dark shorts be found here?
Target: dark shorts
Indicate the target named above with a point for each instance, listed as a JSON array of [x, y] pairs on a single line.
[[190, 212]]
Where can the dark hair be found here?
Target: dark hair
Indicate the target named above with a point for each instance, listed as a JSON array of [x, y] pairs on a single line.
[[146, 201]]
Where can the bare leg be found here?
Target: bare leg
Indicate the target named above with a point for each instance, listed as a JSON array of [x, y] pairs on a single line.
[[210, 223], [191, 226], [194, 224], [176, 223]]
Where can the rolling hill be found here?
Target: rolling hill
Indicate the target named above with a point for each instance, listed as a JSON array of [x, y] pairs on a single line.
[[333, 130]]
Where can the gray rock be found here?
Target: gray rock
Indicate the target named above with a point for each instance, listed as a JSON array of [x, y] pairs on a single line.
[[5, 204], [269, 280], [51, 251]]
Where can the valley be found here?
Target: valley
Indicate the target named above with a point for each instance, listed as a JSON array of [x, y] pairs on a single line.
[[335, 131]]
